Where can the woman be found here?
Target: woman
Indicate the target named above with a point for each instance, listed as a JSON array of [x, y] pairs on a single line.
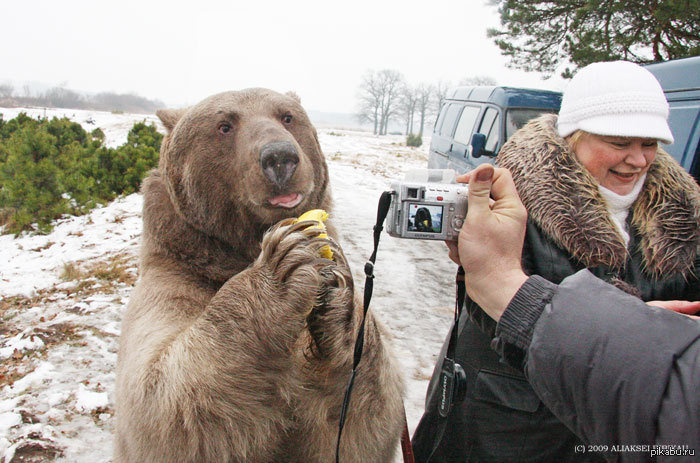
[[601, 195]]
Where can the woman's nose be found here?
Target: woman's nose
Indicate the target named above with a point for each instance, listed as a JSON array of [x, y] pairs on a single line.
[[636, 156]]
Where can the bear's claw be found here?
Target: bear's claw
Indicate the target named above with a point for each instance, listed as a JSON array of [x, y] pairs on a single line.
[[291, 251]]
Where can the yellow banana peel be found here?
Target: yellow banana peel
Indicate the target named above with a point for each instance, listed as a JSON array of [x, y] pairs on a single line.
[[320, 216]]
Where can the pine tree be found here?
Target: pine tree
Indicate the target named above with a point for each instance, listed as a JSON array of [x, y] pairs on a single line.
[[29, 177], [542, 35], [53, 167]]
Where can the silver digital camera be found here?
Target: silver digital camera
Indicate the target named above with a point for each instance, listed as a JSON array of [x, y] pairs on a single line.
[[428, 204]]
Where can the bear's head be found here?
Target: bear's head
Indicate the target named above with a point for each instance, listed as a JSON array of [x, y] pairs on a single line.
[[242, 159]]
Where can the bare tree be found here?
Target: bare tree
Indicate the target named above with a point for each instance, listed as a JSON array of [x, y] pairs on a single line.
[[378, 96], [424, 94], [392, 82], [440, 92], [407, 106], [370, 99], [127, 102], [384, 95], [478, 80], [6, 91], [61, 97]]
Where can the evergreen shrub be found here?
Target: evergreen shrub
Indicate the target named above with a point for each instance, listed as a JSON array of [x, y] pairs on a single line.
[[49, 168], [414, 140]]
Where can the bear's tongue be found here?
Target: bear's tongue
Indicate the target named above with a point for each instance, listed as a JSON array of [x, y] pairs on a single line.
[[289, 200]]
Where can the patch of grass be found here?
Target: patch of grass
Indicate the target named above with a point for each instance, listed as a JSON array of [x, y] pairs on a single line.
[[98, 333], [8, 305], [20, 364], [97, 415], [36, 450], [17, 366], [57, 333], [70, 272], [44, 247], [103, 276], [115, 270]]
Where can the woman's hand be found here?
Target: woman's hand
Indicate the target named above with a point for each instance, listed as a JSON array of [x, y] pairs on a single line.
[[685, 307]]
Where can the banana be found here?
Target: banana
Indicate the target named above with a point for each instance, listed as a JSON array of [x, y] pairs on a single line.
[[320, 216]]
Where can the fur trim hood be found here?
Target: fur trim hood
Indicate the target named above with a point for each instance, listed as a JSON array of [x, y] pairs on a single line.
[[563, 199]]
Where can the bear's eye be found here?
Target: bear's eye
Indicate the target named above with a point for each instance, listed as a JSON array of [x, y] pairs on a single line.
[[224, 128], [287, 118]]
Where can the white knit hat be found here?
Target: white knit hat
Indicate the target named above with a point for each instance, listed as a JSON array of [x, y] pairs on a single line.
[[616, 98]]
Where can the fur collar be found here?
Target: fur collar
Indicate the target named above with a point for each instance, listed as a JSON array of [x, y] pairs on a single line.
[[563, 199]]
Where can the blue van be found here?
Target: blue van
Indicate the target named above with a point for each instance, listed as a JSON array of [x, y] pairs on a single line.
[[680, 80], [475, 122]]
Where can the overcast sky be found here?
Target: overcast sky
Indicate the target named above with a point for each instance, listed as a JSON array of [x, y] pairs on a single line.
[[181, 52]]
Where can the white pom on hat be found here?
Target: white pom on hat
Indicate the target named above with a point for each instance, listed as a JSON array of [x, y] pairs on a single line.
[[615, 98]]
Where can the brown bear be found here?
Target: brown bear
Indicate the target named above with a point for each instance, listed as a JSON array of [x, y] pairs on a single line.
[[237, 344]]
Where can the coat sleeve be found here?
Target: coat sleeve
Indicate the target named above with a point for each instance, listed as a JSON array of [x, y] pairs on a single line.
[[613, 369]]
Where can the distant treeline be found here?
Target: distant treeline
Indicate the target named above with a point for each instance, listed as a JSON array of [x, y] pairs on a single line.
[[59, 97]]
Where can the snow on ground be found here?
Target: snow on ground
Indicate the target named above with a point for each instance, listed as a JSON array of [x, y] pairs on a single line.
[[63, 295]]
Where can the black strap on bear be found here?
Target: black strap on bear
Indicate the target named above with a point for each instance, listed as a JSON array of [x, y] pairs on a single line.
[[382, 210], [452, 377]]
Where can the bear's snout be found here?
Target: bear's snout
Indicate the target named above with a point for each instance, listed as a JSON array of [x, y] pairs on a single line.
[[279, 160]]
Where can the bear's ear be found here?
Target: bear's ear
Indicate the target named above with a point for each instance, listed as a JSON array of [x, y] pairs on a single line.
[[294, 96], [169, 117]]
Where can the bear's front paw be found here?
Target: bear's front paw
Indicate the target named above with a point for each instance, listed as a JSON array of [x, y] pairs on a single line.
[[292, 253], [330, 321]]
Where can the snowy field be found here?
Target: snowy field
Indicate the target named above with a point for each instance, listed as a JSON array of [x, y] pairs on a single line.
[[63, 295]]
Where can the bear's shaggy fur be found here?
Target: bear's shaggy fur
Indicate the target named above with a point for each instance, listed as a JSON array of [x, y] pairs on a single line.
[[237, 345]]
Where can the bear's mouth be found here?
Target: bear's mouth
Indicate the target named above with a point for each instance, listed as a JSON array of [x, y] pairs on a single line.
[[286, 201]]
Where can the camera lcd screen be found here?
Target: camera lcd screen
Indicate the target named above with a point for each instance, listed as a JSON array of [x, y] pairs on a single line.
[[424, 218]]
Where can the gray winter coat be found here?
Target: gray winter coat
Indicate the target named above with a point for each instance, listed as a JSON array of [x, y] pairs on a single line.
[[622, 375]]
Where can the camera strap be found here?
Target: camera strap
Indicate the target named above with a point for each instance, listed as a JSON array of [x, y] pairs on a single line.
[[382, 211], [452, 377], [452, 383]]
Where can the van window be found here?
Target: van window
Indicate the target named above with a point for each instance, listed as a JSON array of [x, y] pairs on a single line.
[[441, 116], [683, 121], [465, 127], [449, 120], [490, 126], [516, 118]]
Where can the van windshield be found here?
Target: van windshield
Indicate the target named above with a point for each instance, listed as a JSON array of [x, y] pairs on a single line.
[[518, 117]]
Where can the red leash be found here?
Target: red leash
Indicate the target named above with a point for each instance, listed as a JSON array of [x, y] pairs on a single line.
[[406, 446]]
